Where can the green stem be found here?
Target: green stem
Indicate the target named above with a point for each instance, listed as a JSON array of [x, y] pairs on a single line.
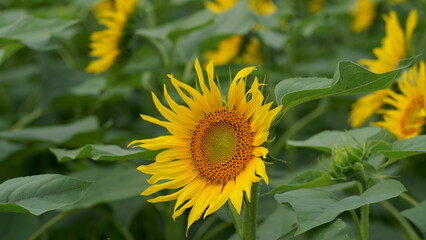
[[405, 225], [365, 217], [206, 226], [28, 118], [122, 229], [356, 222], [409, 199], [219, 228], [237, 221], [250, 214], [48, 224]]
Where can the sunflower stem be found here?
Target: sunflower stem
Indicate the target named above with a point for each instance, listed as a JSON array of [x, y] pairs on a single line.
[[250, 214], [403, 223], [237, 220]]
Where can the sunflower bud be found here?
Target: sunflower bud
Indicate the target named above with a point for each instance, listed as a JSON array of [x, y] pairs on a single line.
[[346, 161]]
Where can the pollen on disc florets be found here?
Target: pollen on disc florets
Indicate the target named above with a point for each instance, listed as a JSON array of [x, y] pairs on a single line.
[[221, 146]]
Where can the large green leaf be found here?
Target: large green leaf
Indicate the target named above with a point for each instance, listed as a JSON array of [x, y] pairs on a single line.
[[102, 152], [33, 32], [324, 141], [7, 148], [52, 133], [417, 215], [110, 184], [336, 230], [315, 207], [308, 179], [280, 222], [349, 79], [40, 193], [406, 148]]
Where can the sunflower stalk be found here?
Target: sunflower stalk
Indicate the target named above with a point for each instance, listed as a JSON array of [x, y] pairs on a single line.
[[250, 214]]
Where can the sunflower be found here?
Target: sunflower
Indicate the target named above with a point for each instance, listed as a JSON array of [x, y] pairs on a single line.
[[227, 50], [407, 119], [315, 5], [230, 48], [261, 7], [213, 153], [395, 46], [363, 13], [105, 44]]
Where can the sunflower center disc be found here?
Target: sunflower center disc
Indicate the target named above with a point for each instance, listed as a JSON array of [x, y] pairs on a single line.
[[221, 146]]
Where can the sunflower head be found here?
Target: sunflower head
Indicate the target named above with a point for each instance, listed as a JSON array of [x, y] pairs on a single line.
[[407, 117], [262, 7], [214, 151], [363, 13], [236, 49], [106, 44], [394, 47], [219, 6]]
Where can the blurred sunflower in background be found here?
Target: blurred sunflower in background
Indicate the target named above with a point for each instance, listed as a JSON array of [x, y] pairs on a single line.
[[261, 7], [363, 13], [214, 152], [238, 49], [316, 5], [105, 44], [407, 118], [395, 46]]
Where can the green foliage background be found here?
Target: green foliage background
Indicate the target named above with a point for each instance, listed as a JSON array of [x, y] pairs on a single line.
[[66, 172]]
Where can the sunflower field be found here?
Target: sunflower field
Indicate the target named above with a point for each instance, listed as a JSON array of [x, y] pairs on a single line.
[[212, 119]]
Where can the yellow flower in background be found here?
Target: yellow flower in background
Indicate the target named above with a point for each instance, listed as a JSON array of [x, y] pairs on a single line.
[[213, 153], [396, 1], [229, 50], [261, 7], [105, 44], [366, 106], [408, 117], [363, 13], [103, 8], [316, 5], [252, 53], [395, 46], [219, 6]]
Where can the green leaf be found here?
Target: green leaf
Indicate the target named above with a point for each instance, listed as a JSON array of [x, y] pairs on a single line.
[[103, 152], [279, 223], [325, 140], [52, 133], [336, 230], [7, 148], [179, 27], [349, 79], [17, 226], [109, 184], [417, 215], [406, 148], [33, 32], [315, 207], [8, 48], [40, 193], [308, 179]]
